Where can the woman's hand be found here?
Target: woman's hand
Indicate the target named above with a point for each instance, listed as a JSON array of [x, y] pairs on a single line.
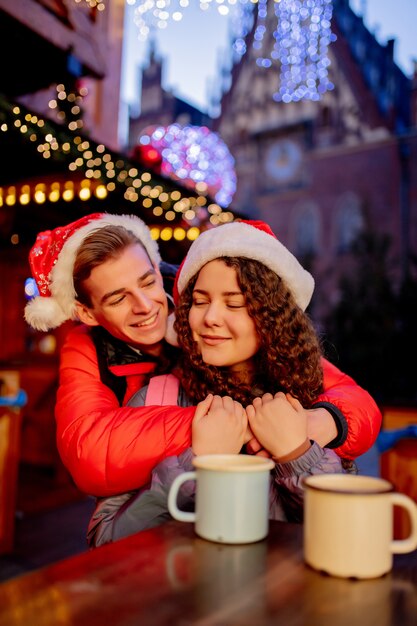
[[279, 423], [219, 426]]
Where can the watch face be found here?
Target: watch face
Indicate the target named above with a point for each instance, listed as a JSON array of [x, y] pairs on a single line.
[[283, 159]]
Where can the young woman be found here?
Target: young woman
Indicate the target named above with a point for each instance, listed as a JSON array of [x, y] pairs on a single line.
[[245, 336]]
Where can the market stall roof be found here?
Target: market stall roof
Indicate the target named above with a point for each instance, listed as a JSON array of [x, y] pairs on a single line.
[[51, 176]]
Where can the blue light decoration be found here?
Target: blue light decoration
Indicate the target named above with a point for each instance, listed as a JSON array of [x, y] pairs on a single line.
[[192, 155], [31, 288], [158, 13], [301, 36], [301, 40]]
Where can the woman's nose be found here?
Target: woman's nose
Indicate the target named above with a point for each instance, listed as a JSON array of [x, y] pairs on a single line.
[[212, 315]]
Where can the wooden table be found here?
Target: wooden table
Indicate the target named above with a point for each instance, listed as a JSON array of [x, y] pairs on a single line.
[[168, 576]]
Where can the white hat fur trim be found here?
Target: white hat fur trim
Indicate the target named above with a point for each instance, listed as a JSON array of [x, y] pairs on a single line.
[[43, 313], [244, 240], [170, 334]]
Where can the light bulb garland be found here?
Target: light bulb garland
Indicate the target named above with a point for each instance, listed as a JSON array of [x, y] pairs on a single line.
[[301, 34], [92, 4], [102, 172]]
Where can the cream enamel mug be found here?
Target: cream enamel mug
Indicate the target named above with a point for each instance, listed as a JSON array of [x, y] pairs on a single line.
[[348, 525]]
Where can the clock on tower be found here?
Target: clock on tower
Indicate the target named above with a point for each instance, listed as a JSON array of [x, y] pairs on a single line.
[[283, 160]]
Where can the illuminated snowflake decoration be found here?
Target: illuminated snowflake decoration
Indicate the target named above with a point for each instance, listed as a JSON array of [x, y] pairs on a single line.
[[300, 37], [194, 154]]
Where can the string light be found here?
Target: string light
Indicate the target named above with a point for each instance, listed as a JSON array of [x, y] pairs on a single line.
[[96, 165], [93, 4], [300, 34], [151, 13]]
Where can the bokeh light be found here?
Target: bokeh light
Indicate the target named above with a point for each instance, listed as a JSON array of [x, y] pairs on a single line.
[[196, 156]]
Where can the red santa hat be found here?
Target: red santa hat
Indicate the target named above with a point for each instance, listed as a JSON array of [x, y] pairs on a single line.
[[250, 239], [52, 260]]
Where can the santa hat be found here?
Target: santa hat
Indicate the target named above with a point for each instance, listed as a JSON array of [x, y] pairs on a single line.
[[250, 239], [52, 262]]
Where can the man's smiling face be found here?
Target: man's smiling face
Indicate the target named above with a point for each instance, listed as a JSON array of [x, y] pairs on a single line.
[[128, 300]]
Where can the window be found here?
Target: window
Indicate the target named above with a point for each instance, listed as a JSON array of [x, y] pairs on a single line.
[[306, 230], [349, 223]]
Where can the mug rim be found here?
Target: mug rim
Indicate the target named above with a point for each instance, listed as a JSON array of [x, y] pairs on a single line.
[[382, 486], [213, 462]]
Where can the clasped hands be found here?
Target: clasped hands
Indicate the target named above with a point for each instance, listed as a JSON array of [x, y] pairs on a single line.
[[271, 426]]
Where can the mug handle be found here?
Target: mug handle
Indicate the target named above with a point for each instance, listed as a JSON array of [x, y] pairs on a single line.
[[401, 546], [181, 516]]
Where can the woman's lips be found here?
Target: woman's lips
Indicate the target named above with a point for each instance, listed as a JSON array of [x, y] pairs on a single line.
[[211, 340]]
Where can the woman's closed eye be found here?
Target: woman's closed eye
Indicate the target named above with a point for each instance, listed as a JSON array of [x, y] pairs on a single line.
[[236, 305], [200, 302], [229, 304]]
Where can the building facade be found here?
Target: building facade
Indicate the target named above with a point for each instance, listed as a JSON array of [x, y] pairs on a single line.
[[322, 172], [159, 106]]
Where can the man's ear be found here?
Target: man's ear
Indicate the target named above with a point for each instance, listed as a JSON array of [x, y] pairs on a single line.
[[85, 314]]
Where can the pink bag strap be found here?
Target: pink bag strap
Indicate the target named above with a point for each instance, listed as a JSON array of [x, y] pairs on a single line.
[[163, 391]]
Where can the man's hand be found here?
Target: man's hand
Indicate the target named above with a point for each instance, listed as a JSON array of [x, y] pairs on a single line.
[[321, 426], [219, 426]]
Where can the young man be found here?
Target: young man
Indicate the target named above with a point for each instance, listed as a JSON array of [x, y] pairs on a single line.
[[104, 270]]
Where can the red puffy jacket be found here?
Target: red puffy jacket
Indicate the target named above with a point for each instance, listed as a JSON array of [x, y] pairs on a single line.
[[109, 449]]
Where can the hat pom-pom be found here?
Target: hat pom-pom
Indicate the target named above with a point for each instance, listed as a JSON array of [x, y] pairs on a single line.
[[44, 313], [170, 334]]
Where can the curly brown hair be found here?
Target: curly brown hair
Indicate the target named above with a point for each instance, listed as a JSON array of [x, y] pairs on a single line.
[[289, 355]]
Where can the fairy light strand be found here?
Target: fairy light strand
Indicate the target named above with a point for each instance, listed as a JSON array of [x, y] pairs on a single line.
[[300, 31]]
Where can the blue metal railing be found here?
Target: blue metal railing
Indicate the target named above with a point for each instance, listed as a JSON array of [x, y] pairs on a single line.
[[388, 438], [17, 401]]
